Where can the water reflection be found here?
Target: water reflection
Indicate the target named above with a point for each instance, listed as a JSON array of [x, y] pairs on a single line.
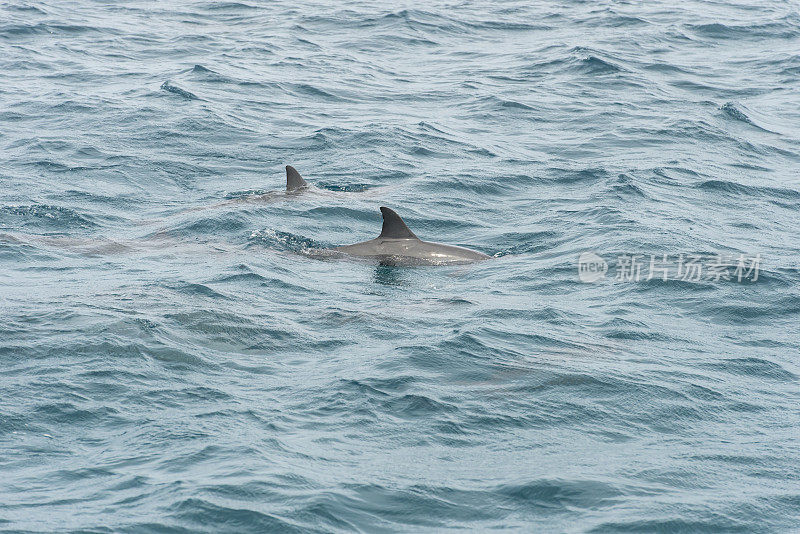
[[389, 275]]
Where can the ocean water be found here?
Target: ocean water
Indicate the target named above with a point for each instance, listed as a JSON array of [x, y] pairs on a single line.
[[175, 358]]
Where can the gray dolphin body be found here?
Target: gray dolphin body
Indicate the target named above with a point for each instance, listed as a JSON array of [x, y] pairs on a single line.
[[397, 245]]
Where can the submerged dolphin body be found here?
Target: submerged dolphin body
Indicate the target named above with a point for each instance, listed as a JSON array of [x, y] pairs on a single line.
[[397, 245], [294, 185]]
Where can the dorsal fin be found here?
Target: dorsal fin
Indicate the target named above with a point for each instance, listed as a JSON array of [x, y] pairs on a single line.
[[293, 179], [394, 227]]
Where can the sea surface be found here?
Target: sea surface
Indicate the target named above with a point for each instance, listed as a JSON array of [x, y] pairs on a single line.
[[176, 357]]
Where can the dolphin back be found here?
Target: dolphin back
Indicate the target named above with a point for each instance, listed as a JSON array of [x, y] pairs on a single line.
[[397, 245]]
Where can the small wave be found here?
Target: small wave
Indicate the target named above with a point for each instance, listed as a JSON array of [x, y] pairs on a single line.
[[231, 329], [283, 241], [343, 187], [735, 112], [596, 65], [69, 413], [75, 195], [588, 61], [44, 28], [618, 21], [666, 68], [396, 384], [672, 524], [248, 193], [26, 9], [625, 187], [206, 75], [232, 6], [426, 152], [754, 367], [11, 116], [515, 243], [201, 514], [572, 176], [44, 217], [503, 25], [174, 89], [202, 69], [772, 30], [513, 104], [228, 222], [316, 92], [416, 406], [563, 494], [202, 290], [245, 277], [730, 109], [728, 186]]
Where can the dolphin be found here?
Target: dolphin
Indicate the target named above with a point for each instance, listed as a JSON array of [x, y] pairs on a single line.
[[295, 184], [397, 245]]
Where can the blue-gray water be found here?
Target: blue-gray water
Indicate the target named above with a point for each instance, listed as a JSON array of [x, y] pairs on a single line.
[[172, 359]]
